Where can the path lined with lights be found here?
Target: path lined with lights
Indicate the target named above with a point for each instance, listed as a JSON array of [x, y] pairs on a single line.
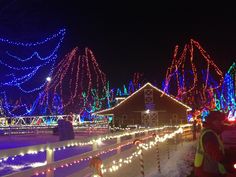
[[21, 151], [82, 157], [86, 156], [146, 146]]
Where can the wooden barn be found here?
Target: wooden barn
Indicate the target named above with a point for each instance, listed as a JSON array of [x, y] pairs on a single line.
[[149, 107]]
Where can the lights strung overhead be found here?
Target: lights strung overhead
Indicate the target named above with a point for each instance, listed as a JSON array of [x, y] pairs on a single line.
[[22, 64]]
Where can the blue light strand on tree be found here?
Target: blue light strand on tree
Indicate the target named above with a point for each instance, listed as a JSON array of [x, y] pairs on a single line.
[[22, 66], [225, 101], [29, 44]]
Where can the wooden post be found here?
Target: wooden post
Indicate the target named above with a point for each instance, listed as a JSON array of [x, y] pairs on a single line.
[[50, 155], [118, 141], [95, 146], [50, 159], [133, 136]]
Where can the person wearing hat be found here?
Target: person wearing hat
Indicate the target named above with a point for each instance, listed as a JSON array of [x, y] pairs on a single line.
[[210, 149]]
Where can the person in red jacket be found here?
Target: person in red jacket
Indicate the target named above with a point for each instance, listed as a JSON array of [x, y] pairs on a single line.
[[210, 151]]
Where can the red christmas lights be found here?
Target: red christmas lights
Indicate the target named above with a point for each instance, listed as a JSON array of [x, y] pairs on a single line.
[[192, 76], [76, 75]]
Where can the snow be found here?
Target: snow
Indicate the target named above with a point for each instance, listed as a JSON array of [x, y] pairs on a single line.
[[32, 160], [180, 164]]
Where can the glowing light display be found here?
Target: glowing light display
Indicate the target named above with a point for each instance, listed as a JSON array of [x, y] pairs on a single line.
[[24, 67], [191, 80], [225, 100], [79, 82]]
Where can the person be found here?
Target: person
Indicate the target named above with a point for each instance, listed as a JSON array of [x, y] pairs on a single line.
[[210, 150], [199, 125], [71, 117], [194, 129]]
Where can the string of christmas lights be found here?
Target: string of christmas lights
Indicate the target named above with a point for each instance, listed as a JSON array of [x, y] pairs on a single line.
[[118, 164], [22, 66], [142, 146], [193, 77], [79, 82], [74, 143], [225, 100]]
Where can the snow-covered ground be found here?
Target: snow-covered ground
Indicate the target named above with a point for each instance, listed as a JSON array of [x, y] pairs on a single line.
[[28, 161], [179, 164]]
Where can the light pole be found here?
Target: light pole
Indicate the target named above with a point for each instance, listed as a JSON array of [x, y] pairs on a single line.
[[49, 79]]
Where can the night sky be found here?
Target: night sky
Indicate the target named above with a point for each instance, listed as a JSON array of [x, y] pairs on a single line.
[[125, 38]]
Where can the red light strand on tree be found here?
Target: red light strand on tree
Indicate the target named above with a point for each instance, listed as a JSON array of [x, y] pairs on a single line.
[[192, 85]]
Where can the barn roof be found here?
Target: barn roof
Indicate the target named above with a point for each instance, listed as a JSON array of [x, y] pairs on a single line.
[[109, 111]]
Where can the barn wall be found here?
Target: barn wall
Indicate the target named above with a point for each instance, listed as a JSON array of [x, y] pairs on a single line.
[[127, 118], [173, 110], [131, 111]]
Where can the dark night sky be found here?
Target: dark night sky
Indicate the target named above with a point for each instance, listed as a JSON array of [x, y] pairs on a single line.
[[125, 38]]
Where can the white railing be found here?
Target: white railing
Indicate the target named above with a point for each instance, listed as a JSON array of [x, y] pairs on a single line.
[[64, 162], [49, 168], [5, 153]]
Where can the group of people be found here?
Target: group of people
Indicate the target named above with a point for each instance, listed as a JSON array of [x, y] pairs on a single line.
[[210, 152]]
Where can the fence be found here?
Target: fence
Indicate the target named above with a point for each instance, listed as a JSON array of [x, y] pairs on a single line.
[[49, 168]]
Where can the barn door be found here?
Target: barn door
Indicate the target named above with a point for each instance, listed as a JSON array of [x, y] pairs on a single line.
[[150, 119], [154, 118]]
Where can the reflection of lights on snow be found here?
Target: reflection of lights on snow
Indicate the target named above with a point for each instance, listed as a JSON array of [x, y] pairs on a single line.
[[19, 167], [38, 164]]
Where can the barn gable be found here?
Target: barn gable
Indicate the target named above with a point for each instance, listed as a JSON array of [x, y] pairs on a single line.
[[147, 104]]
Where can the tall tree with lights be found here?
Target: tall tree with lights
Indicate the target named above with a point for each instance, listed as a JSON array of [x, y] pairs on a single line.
[[24, 67], [226, 99], [78, 81], [188, 77]]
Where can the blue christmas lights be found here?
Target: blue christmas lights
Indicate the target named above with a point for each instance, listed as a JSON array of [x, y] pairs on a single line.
[[24, 67], [225, 101], [60, 33]]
